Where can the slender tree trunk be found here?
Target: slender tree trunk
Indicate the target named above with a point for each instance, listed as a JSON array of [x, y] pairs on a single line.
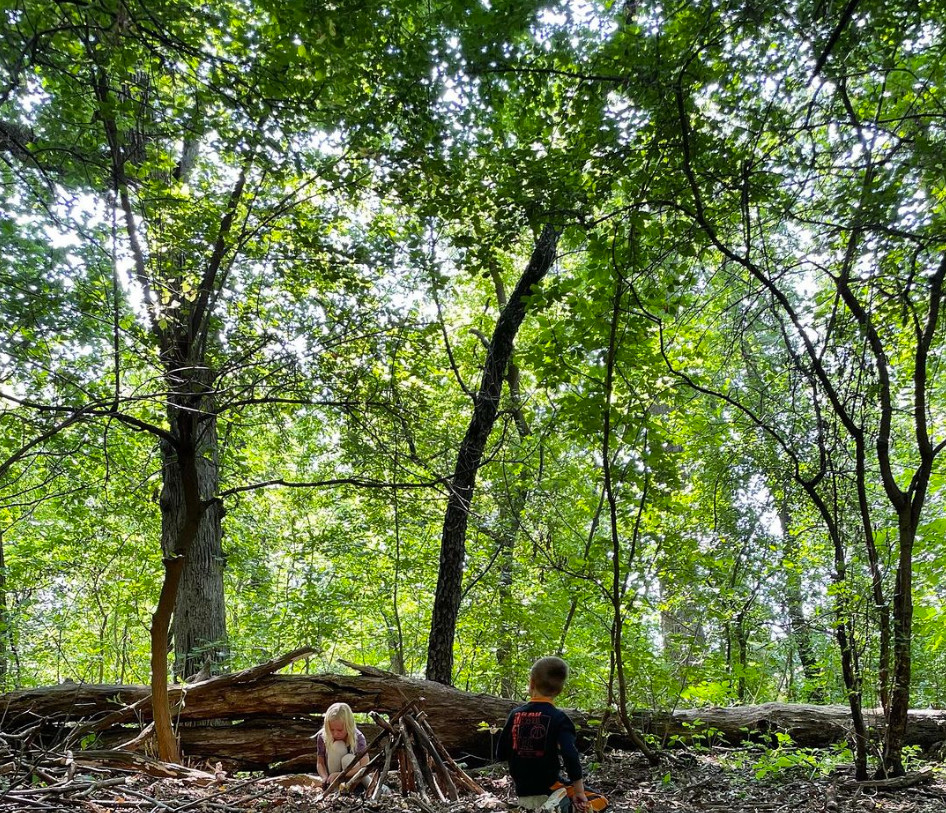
[[395, 631], [511, 510], [511, 517], [504, 644], [4, 619], [844, 633], [446, 607], [902, 645], [742, 640], [617, 574]]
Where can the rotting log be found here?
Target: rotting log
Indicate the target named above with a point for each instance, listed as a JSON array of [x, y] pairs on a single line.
[[268, 720]]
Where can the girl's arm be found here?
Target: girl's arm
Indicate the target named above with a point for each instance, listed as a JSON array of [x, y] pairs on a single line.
[[361, 744], [322, 768]]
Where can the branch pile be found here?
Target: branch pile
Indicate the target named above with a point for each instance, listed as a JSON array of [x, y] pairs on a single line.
[[424, 767]]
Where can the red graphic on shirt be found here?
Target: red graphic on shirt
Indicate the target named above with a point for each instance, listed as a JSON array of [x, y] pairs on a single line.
[[529, 731]]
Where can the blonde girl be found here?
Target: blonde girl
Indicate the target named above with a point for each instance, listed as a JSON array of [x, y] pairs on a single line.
[[339, 741]]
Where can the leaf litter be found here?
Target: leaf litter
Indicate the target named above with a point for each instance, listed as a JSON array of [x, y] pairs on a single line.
[[710, 781]]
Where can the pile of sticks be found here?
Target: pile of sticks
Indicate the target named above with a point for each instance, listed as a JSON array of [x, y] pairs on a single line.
[[407, 744]]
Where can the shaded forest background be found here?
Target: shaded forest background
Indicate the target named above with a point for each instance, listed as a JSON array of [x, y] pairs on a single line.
[[443, 337]]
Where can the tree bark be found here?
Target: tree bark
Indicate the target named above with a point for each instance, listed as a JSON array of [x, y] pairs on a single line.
[[192, 510], [446, 608], [199, 628]]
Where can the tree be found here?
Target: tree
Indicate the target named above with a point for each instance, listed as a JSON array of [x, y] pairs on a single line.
[[201, 152], [801, 180], [486, 405]]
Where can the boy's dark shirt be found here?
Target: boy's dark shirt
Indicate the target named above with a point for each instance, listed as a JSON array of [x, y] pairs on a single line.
[[535, 736]]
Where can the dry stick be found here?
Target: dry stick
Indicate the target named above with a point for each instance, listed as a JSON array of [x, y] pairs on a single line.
[[448, 784], [412, 758], [42, 805], [423, 805], [55, 790], [155, 802], [389, 747], [404, 770], [137, 739], [116, 717], [372, 763], [423, 759], [897, 782], [228, 790], [463, 776], [381, 722]]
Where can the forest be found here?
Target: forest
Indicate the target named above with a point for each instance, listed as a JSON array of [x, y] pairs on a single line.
[[441, 336]]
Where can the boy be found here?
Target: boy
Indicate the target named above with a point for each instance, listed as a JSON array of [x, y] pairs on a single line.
[[536, 735]]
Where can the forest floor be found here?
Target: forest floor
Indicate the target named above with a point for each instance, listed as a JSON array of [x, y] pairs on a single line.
[[728, 781], [710, 781]]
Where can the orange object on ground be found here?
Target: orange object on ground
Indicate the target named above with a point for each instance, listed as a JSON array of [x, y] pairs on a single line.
[[595, 800]]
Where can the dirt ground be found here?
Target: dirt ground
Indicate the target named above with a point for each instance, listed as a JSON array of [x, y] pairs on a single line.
[[718, 781]]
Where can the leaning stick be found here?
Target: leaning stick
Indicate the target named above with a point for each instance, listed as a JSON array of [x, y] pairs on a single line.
[[389, 747], [353, 768], [412, 758], [464, 777], [442, 772]]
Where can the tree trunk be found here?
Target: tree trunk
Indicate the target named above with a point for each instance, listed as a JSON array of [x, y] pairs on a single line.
[[446, 607], [185, 463], [511, 510], [902, 644], [199, 622], [4, 619]]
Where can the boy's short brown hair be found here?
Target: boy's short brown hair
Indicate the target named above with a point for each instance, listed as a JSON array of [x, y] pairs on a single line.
[[548, 675]]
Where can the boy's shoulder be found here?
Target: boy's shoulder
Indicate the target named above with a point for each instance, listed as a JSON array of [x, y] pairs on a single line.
[[543, 705]]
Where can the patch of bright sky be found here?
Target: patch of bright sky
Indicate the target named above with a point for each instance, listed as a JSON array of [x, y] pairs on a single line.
[[582, 20], [576, 17]]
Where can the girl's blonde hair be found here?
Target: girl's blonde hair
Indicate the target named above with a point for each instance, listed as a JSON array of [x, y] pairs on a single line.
[[339, 711]]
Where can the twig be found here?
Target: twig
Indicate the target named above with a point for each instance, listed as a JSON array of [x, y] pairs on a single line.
[[894, 782]]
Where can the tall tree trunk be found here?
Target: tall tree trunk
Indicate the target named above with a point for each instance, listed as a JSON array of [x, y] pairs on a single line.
[[199, 622], [617, 575], [511, 509], [511, 516], [395, 632], [443, 621], [174, 563]]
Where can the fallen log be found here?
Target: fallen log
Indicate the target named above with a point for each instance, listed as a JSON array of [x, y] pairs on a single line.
[[268, 720]]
